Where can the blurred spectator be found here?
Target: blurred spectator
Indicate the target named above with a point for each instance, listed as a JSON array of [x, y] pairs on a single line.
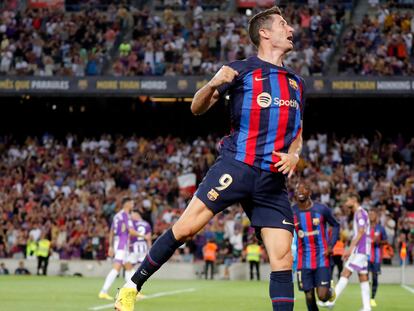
[[21, 270], [3, 269]]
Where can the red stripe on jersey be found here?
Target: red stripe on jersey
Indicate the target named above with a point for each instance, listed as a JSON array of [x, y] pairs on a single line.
[[283, 119], [300, 246], [372, 234], [257, 86], [324, 241], [311, 238]]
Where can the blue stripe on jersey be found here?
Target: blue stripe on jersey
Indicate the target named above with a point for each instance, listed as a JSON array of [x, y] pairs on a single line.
[[306, 243], [320, 243], [273, 120], [245, 117], [264, 120], [298, 111]]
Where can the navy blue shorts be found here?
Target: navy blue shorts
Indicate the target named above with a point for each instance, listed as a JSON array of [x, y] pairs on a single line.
[[313, 278], [374, 267], [261, 193]]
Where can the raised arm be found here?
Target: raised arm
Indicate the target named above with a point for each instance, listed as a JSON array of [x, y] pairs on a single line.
[[208, 95]]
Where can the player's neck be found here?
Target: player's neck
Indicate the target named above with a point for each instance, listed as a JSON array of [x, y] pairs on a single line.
[[274, 57], [305, 205]]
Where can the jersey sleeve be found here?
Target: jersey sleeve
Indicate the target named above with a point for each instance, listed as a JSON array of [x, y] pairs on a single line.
[[236, 65], [334, 224], [362, 221], [384, 236], [302, 97]]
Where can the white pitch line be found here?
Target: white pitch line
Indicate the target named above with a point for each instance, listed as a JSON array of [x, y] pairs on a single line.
[[161, 294], [410, 289]]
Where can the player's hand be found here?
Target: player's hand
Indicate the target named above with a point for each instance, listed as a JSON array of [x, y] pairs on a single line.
[[287, 163], [346, 255], [111, 252], [226, 74], [327, 252]]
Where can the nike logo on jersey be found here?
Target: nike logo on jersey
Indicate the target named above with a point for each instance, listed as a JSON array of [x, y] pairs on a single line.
[[259, 79], [287, 223], [324, 283]]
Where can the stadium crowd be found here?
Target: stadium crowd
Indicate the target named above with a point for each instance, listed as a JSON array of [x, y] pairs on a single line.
[[381, 45], [70, 190], [200, 43], [44, 42]]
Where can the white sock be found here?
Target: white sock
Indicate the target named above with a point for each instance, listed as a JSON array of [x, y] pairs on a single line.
[[129, 274], [342, 283], [365, 296], [130, 284], [110, 278]]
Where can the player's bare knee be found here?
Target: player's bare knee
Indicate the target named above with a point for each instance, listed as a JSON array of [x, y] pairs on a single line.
[[323, 294], [183, 232], [282, 261]]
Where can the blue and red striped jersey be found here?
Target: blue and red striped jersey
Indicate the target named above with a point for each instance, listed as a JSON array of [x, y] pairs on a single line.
[[313, 239], [266, 106], [378, 235]]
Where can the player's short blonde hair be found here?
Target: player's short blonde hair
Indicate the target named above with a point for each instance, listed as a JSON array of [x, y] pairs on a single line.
[[261, 20]]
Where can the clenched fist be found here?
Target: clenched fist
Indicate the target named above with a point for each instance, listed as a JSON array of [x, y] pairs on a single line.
[[226, 74]]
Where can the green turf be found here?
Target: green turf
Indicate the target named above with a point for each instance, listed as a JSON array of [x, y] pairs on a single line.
[[70, 293]]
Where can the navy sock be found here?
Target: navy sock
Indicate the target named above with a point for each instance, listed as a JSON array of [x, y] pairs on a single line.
[[163, 248], [281, 290]]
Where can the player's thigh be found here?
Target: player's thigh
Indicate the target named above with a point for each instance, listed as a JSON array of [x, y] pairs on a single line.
[[305, 280], [278, 246], [270, 206], [227, 182], [194, 218]]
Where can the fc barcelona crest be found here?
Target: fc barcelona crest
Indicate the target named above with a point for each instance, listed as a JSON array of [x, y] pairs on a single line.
[[293, 84], [315, 221], [212, 195]]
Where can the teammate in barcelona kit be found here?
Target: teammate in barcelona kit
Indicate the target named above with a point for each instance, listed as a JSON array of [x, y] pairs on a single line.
[[121, 230], [356, 256], [266, 102], [378, 238], [313, 246]]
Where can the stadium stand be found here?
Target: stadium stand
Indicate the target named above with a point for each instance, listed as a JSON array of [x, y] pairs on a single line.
[[382, 44]]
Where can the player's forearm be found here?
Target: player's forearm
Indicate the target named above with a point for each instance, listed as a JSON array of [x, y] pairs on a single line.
[[203, 99], [111, 239], [296, 146]]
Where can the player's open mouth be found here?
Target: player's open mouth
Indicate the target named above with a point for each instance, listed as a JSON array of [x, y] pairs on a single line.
[[290, 38]]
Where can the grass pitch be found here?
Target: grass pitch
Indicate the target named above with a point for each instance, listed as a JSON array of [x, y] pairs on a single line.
[[21, 293]]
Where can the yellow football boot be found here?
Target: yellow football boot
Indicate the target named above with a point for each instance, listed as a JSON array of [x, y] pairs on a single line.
[[125, 299]]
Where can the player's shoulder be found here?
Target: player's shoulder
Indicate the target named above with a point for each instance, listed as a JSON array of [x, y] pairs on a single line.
[[318, 206], [241, 65]]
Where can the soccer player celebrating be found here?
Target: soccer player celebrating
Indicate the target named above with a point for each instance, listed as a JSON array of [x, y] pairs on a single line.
[[121, 229], [266, 102], [378, 238], [356, 256], [314, 251]]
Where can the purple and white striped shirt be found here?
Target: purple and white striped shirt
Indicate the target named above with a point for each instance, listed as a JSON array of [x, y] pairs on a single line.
[[120, 226], [361, 221]]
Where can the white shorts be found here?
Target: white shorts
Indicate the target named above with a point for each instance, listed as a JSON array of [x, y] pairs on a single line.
[[121, 256], [358, 263], [135, 258]]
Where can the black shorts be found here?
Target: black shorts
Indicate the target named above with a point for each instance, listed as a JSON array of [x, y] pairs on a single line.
[[262, 194], [374, 267], [313, 278]]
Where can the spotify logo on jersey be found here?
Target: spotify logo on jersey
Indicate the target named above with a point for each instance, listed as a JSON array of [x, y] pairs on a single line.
[[264, 99]]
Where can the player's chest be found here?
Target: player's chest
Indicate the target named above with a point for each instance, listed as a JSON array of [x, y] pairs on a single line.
[[271, 90]]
